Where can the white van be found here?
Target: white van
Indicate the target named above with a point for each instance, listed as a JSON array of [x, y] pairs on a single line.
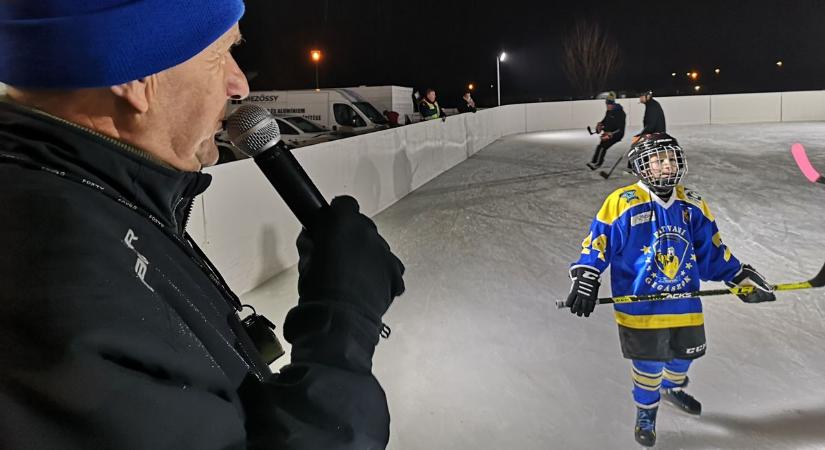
[[336, 110], [389, 98]]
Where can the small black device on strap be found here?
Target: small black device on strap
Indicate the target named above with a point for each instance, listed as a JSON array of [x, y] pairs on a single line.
[[262, 333]]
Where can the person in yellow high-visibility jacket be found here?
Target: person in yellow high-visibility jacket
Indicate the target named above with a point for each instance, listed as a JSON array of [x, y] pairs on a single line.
[[428, 106]]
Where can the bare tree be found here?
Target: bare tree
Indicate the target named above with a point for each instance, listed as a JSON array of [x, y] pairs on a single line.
[[590, 56]]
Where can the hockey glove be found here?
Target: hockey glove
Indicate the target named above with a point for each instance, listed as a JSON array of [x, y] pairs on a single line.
[[748, 276], [584, 293]]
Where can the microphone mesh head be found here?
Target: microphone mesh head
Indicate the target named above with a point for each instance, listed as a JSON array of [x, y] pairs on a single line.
[[252, 129]]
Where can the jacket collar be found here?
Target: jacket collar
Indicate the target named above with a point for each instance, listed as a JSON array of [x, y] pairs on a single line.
[[130, 172]]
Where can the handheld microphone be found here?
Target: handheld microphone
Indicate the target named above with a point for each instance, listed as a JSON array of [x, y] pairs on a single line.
[[254, 131]]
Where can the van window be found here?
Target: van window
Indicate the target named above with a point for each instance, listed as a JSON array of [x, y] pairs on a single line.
[[285, 127], [371, 112], [304, 125], [344, 115]]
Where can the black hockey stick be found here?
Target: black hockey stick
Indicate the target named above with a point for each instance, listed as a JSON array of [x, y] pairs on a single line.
[[817, 281], [590, 131], [801, 158], [606, 175]]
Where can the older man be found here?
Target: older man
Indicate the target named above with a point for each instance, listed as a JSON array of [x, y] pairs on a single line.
[[115, 330]]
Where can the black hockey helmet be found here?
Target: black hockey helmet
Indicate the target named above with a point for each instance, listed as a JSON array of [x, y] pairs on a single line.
[[646, 93], [659, 162]]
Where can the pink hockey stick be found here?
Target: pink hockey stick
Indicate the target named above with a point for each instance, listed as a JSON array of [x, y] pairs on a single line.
[[798, 152]]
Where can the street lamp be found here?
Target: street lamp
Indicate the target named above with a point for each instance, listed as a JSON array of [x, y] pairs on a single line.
[[717, 71], [471, 86], [499, 59], [315, 55], [779, 64]]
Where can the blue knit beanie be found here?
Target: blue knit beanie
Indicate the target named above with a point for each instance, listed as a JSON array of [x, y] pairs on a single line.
[[65, 44]]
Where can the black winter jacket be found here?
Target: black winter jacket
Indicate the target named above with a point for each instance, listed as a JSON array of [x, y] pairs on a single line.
[[116, 334], [654, 120], [614, 121]]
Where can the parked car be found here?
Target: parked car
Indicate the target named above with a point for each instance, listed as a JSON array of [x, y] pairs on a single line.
[[295, 132], [299, 132]]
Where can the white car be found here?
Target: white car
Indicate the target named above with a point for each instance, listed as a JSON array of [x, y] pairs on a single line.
[[295, 132], [299, 132]]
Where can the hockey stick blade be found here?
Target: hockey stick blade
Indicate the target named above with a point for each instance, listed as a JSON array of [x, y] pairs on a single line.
[[817, 281], [801, 158], [590, 131], [606, 175]]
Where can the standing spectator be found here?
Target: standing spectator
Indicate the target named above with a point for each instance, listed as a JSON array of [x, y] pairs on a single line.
[[428, 106], [467, 104]]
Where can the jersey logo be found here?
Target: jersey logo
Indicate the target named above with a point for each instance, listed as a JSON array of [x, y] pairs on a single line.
[[629, 196], [686, 216], [669, 260], [669, 263], [693, 196]]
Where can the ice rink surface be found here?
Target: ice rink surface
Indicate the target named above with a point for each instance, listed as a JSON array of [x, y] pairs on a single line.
[[480, 358]]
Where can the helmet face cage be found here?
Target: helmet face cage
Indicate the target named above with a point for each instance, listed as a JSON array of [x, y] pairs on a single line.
[[660, 167]]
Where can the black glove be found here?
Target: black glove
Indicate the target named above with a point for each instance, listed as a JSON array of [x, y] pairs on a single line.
[[344, 259], [584, 294], [748, 276]]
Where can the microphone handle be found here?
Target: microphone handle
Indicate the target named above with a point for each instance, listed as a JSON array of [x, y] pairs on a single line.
[[292, 183]]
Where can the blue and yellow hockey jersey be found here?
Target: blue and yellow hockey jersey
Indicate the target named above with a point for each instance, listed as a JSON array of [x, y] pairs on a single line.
[[654, 246]]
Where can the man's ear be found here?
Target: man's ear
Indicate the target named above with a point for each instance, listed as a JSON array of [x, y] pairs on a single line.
[[135, 93]]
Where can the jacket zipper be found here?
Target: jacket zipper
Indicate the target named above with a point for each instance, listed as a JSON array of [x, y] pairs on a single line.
[[103, 137]]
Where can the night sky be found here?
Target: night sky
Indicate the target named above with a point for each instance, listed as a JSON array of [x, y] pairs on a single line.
[[447, 44]]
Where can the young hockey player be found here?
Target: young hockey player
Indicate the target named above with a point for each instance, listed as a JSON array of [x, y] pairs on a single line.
[[611, 128], [658, 236]]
